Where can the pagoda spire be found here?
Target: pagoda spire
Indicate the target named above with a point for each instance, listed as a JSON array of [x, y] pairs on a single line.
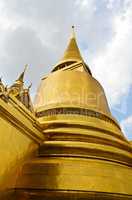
[[18, 85], [72, 52], [71, 55], [21, 77]]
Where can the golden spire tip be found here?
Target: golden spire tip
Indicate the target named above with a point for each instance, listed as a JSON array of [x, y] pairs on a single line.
[[21, 77], [73, 32], [26, 66]]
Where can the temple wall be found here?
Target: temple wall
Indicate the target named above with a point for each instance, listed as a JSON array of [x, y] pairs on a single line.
[[19, 139]]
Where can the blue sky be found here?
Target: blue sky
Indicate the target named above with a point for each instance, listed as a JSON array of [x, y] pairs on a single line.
[[36, 32]]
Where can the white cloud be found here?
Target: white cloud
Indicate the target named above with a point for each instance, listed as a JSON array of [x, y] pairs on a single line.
[[36, 32], [126, 125], [112, 66]]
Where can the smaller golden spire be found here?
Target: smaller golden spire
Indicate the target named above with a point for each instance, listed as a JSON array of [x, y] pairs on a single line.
[[21, 77], [18, 85]]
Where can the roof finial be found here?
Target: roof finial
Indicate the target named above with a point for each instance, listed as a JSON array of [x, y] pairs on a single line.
[[26, 66], [21, 77], [73, 32]]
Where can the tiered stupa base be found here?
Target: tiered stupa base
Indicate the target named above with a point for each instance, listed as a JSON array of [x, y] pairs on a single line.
[[76, 169]]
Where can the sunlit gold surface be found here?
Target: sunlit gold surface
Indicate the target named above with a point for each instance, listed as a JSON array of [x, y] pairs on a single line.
[[82, 152], [19, 140], [71, 88]]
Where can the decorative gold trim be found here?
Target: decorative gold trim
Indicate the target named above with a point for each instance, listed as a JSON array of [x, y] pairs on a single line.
[[76, 111]]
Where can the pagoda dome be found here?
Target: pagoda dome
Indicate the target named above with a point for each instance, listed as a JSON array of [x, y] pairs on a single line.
[[71, 84], [71, 89]]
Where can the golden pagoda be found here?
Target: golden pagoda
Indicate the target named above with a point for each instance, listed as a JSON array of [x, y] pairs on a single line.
[[70, 146]]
